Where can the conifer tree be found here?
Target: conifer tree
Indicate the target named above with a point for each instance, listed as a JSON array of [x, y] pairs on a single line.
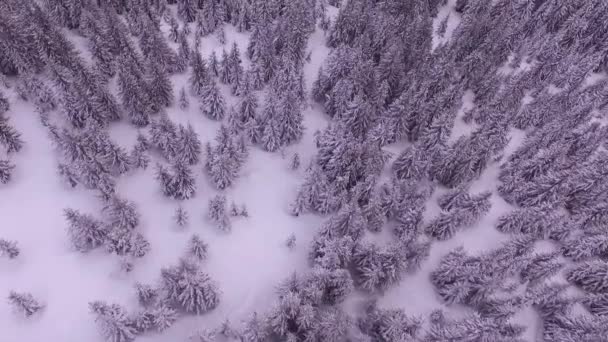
[[85, 232], [24, 303], [113, 322], [186, 10], [218, 213], [213, 104], [200, 78], [181, 217], [161, 89], [6, 171], [214, 66], [8, 249], [9, 137], [189, 146], [183, 99], [197, 248], [189, 289]]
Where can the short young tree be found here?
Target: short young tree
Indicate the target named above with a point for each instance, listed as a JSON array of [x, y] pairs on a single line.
[[8, 249], [218, 213], [9, 137], [181, 216], [113, 322], [197, 248], [183, 99], [24, 303], [6, 171], [121, 213], [146, 294], [85, 232], [189, 289], [591, 276]]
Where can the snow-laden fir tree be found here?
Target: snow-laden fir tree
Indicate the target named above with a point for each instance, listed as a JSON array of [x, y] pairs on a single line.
[[161, 88], [159, 318], [200, 78], [587, 246], [291, 241], [186, 10], [540, 222], [197, 248], [255, 329], [181, 217], [213, 64], [183, 99], [295, 162], [6, 171], [447, 224], [591, 276], [9, 137], [188, 145], [24, 303], [541, 267], [390, 325], [179, 184], [125, 241], [213, 104], [85, 232], [8, 249], [146, 294], [188, 289], [218, 213], [113, 322], [121, 213], [225, 160]]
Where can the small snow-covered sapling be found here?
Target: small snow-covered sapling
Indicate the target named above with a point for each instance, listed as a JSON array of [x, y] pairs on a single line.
[[24, 303], [181, 217], [6, 170], [126, 265], [291, 241], [295, 161], [146, 295], [197, 248], [218, 213], [183, 99], [8, 249], [234, 210]]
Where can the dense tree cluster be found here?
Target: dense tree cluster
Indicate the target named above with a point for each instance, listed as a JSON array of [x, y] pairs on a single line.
[[398, 77]]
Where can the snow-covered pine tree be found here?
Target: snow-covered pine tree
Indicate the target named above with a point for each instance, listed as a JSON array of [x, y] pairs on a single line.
[[591, 276], [186, 10], [390, 325], [218, 213], [160, 88], [213, 104], [24, 303], [188, 145], [214, 66], [9, 137], [121, 213], [146, 294], [182, 183], [8, 249], [197, 248], [85, 232], [295, 162], [113, 322], [6, 171], [447, 224], [200, 78], [181, 217], [183, 99], [189, 289]]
